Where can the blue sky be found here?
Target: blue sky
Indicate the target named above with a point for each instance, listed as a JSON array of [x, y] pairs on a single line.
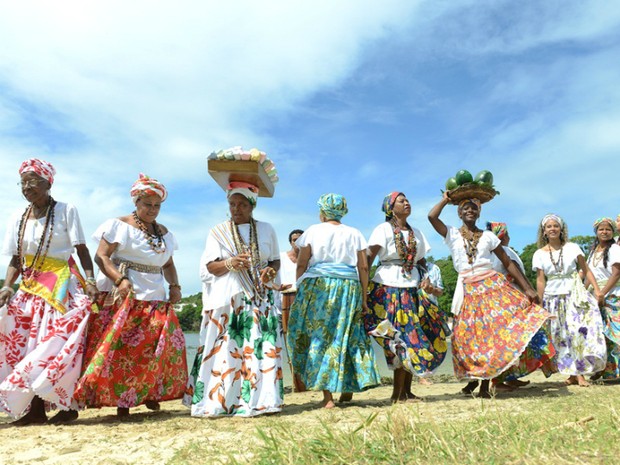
[[356, 97]]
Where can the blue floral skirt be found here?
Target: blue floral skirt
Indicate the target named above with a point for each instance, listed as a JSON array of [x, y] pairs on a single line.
[[411, 329], [330, 348]]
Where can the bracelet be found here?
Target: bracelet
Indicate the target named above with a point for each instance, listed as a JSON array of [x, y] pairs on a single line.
[[173, 285], [229, 265], [120, 280], [7, 288], [91, 282]]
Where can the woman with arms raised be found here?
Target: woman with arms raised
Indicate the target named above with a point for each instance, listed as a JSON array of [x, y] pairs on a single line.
[[136, 348], [331, 350], [495, 322], [43, 326], [238, 365]]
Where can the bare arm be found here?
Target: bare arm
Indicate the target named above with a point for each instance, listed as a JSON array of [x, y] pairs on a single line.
[[238, 263], [373, 250], [302, 260], [12, 273], [362, 271], [541, 283], [170, 274], [514, 270], [583, 266], [87, 265], [433, 216], [104, 262], [613, 279]]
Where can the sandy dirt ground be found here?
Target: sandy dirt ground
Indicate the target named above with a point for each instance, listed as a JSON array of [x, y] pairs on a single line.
[[98, 437]]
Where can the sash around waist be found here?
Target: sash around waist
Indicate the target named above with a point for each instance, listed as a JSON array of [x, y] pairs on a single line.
[[128, 264]]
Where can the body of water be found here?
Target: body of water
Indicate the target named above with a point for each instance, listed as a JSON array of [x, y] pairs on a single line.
[[192, 341]]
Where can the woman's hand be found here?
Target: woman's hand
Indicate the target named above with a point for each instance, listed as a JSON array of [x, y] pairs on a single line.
[[427, 286], [92, 292], [365, 309], [241, 262], [174, 295], [125, 288], [267, 274], [5, 296], [600, 298], [532, 295]]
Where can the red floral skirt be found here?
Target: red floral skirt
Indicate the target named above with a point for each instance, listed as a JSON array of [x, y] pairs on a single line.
[[135, 353]]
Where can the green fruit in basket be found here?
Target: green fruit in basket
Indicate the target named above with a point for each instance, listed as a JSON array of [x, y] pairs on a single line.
[[484, 177], [463, 177], [451, 184]]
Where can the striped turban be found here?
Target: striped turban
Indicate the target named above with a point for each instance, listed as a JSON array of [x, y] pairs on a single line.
[[147, 186]]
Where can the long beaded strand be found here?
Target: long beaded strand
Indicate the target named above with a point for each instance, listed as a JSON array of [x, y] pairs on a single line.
[[156, 240], [406, 252], [43, 246], [470, 241]]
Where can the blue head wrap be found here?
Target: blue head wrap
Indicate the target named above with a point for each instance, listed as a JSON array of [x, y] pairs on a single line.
[[333, 206]]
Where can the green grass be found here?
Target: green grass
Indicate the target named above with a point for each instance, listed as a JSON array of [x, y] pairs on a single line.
[[559, 430], [550, 426], [490, 439]]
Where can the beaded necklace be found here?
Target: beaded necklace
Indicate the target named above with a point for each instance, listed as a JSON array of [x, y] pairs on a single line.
[[156, 240], [559, 265], [30, 272], [408, 251], [470, 242], [254, 253]]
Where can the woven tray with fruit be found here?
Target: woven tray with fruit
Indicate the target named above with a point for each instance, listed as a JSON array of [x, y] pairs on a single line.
[[464, 186]]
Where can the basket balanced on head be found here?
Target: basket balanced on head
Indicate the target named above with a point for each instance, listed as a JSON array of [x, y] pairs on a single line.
[[238, 165], [464, 186]]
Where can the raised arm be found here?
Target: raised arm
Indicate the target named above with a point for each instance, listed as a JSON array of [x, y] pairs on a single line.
[[433, 215]]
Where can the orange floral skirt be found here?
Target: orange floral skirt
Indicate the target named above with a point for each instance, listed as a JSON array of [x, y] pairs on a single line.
[[494, 327], [135, 353]]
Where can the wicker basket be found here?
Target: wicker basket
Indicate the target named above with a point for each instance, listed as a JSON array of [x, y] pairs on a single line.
[[471, 190]]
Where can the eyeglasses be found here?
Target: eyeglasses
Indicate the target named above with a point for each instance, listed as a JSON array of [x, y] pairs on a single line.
[[27, 184]]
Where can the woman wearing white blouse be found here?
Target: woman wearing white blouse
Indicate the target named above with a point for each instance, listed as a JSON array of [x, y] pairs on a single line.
[[136, 349], [494, 322], [414, 342], [331, 350], [604, 262], [577, 330]]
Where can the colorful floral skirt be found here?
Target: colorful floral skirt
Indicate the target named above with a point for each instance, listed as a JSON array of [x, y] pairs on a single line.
[[135, 353], [495, 325], [577, 334], [611, 319], [330, 348], [41, 350], [238, 365], [410, 329], [539, 354]]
